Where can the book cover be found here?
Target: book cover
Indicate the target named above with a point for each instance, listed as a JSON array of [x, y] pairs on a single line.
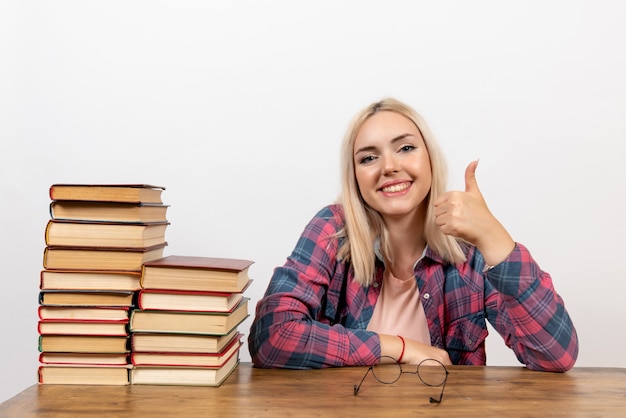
[[178, 300], [94, 359], [186, 359], [108, 211], [93, 313], [83, 375], [137, 193], [196, 273], [186, 376], [89, 280], [83, 344], [93, 298], [82, 327], [66, 233], [218, 323], [100, 258], [182, 343], [202, 263]]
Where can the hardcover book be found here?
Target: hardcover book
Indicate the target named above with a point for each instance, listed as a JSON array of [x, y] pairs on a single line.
[[83, 344], [89, 280], [135, 193], [196, 273], [182, 343], [94, 359], [82, 327], [185, 359], [218, 323], [86, 298], [83, 375], [157, 299], [108, 212], [104, 234], [102, 258], [187, 376], [92, 313]]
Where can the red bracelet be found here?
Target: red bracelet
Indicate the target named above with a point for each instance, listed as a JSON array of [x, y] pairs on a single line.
[[403, 346]]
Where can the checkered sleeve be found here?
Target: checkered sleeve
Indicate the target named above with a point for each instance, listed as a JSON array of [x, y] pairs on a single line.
[[525, 309], [290, 329]]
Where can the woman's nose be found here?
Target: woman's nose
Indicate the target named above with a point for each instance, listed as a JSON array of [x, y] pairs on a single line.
[[390, 164]]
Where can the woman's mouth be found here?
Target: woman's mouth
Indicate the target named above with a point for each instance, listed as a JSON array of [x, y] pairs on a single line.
[[394, 188]]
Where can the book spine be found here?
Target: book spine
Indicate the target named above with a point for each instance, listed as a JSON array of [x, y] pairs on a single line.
[[46, 235], [45, 257], [143, 273], [139, 299]]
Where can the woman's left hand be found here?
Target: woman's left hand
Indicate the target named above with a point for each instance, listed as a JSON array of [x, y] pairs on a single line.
[[465, 215]]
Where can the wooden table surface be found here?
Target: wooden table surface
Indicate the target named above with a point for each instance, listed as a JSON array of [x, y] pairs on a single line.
[[250, 392]]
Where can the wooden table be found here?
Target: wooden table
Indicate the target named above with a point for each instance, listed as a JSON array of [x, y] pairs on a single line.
[[250, 392]]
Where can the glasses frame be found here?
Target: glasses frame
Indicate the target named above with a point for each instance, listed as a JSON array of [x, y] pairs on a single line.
[[417, 372]]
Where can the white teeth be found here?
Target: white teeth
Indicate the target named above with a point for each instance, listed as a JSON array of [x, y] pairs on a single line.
[[395, 188]]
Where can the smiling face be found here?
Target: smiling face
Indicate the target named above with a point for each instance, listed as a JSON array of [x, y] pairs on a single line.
[[391, 165]]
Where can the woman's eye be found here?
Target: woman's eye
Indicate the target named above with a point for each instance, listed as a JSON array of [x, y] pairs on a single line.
[[366, 159], [406, 148]]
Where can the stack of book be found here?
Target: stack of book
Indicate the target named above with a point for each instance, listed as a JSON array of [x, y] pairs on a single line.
[[185, 328], [97, 240]]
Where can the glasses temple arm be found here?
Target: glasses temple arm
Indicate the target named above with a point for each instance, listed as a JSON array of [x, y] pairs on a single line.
[[443, 387], [357, 387]]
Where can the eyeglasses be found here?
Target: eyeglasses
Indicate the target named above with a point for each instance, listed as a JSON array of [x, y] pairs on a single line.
[[430, 371]]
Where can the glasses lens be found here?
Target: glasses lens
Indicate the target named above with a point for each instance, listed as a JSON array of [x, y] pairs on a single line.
[[431, 372], [387, 372]]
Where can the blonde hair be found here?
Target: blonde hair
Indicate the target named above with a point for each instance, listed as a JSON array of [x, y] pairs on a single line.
[[363, 225]]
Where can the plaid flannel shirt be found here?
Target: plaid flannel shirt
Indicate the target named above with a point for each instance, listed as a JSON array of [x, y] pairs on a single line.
[[315, 315]]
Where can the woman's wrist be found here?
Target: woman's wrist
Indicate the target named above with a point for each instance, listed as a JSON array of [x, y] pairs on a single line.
[[393, 346], [403, 347]]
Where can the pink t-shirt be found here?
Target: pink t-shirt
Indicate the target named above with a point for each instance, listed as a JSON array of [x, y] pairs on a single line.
[[399, 310]]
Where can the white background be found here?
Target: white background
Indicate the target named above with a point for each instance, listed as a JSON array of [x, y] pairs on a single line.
[[238, 109]]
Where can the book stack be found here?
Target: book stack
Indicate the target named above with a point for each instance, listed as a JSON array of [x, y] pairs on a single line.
[[97, 239], [185, 328]]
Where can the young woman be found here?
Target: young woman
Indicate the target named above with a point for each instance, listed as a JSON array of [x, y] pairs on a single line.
[[399, 267]]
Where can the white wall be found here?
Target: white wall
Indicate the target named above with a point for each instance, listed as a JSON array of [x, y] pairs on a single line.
[[238, 108]]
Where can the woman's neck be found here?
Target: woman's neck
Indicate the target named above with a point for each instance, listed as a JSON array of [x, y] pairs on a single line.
[[407, 244]]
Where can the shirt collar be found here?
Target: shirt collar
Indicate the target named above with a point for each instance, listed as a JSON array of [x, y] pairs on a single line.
[[427, 253]]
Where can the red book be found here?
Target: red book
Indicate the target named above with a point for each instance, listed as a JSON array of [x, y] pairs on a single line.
[[183, 375], [187, 359]]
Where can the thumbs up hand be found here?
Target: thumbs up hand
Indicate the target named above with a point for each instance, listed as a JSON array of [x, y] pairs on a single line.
[[465, 215], [471, 185]]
